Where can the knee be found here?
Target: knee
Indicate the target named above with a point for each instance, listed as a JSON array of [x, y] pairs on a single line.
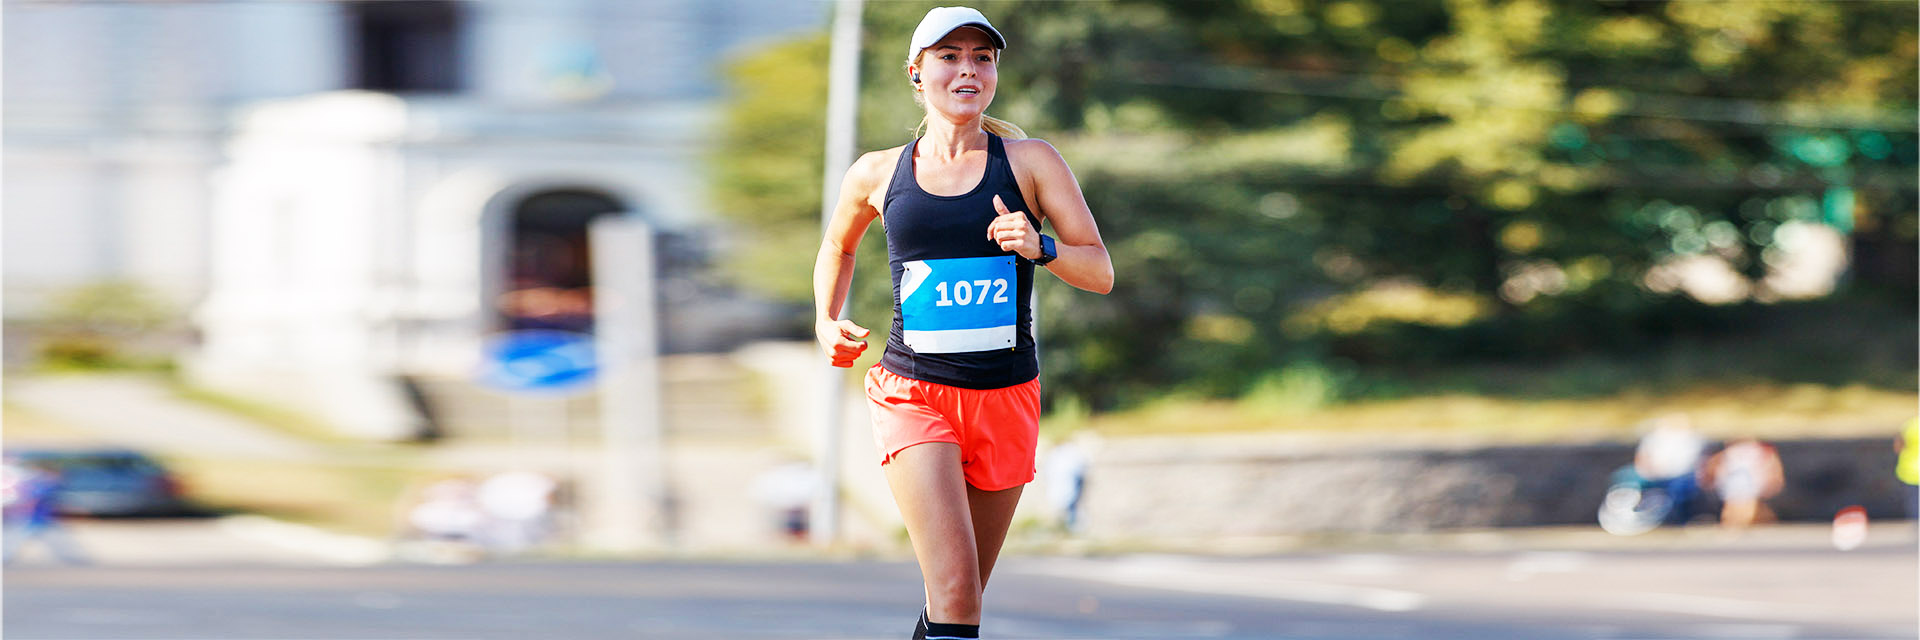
[[957, 597]]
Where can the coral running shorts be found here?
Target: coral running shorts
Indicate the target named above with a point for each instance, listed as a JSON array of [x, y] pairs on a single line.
[[997, 429]]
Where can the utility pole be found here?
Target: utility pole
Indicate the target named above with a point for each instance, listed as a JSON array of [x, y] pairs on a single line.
[[628, 505], [843, 104]]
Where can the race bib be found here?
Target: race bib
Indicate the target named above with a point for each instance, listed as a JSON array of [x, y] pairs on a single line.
[[955, 305]]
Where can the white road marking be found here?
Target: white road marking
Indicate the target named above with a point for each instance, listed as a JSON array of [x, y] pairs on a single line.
[[1528, 565], [1367, 564], [1709, 606], [1182, 574], [1743, 631]]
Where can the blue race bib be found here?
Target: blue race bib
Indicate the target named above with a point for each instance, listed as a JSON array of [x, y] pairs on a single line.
[[956, 305]]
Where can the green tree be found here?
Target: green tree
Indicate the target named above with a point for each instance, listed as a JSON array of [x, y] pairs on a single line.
[[1527, 161], [768, 168]]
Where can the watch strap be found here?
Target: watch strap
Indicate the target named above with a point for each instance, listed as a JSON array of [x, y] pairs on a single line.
[[1047, 252]]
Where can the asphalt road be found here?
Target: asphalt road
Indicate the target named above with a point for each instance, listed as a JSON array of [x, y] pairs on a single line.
[[1746, 593]]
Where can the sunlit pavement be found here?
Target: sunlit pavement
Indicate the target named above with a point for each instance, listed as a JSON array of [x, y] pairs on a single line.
[[1779, 582]]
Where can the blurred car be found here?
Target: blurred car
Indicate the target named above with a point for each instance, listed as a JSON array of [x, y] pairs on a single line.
[[107, 481]]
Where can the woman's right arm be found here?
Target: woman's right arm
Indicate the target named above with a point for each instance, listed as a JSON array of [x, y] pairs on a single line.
[[842, 340]]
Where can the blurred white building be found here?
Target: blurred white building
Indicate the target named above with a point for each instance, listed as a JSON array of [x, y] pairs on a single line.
[[348, 192]]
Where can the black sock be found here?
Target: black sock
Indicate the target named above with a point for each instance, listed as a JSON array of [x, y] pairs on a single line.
[[920, 628], [944, 631]]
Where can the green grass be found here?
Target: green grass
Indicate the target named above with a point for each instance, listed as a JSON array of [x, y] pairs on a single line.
[[1829, 368], [359, 497], [1768, 410], [285, 421], [358, 487]]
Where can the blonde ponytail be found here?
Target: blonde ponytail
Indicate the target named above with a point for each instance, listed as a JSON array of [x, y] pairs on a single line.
[[993, 125], [1001, 128]]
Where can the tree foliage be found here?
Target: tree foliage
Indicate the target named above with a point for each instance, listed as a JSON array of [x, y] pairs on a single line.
[[1498, 177], [769, 167]]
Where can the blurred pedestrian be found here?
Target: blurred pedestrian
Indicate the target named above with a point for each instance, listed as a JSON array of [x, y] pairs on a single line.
[[1908, 468], [787, 490], [449, 512], [1668, 457], [515, 508], [1745, 474], [956, 398], [1067, 480], [32, 513]]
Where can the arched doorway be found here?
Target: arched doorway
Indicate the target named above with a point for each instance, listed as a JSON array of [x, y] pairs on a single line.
[[549, 279]]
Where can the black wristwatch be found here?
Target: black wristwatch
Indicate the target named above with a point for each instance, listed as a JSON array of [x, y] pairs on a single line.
[[1046, 251]]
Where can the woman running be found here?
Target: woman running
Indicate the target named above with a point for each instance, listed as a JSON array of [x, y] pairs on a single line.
[[956, 398]]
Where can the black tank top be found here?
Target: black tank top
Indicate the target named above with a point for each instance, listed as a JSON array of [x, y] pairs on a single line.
[[960, 304]]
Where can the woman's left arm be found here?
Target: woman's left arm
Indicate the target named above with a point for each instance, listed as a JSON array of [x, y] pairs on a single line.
[[1081, 257]]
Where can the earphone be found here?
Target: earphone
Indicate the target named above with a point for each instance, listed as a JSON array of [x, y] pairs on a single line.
[[916, 77]]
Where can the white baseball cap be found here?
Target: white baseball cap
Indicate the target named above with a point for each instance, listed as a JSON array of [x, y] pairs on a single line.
[[943, 20]]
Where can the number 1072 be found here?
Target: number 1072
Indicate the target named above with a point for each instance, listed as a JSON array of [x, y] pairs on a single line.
[[963, 292]]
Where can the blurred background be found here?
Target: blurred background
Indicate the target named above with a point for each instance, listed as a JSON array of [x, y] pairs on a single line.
[[321, 275]]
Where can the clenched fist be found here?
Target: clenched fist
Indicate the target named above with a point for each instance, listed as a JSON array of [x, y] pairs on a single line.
[[842, 340], [1013, 232]]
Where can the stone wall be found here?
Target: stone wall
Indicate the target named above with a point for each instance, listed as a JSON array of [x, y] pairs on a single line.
[[1274, 486]]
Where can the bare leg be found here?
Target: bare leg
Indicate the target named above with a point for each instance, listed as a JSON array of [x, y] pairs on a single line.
[[932, 495], [992, 515], [1737, 513]]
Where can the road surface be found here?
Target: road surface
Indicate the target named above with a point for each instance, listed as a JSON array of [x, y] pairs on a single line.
[[1745, 592]]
